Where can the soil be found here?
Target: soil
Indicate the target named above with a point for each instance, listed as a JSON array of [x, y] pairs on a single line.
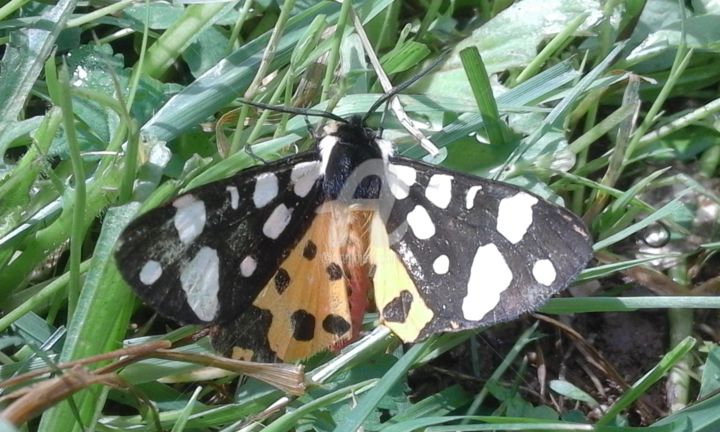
[[631, 343]]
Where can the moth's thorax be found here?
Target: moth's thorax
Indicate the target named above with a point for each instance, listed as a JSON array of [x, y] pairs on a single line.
[[353, 160]]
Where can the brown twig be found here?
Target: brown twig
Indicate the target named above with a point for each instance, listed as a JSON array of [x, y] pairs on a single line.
[[131, 353], [42, 395]]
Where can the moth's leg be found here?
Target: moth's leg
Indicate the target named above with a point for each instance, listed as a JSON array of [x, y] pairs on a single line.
[[382, 120]]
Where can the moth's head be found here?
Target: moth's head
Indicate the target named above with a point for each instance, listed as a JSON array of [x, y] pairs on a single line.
[[354, 139], [352, 155]]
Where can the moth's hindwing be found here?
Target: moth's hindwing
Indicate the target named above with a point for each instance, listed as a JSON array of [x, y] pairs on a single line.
[[468, 252], [304, 308], [205, 256]]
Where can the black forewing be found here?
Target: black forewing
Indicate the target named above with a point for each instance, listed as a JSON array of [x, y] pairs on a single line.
[[232, 233], [555, 234]]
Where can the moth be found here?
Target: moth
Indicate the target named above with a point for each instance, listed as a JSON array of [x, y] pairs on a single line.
[[283, 258]]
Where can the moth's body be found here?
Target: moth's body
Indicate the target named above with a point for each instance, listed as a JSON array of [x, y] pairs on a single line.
[[281, 257], [330, 292]]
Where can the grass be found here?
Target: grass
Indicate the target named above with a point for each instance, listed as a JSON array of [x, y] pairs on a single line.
[[609, 109]]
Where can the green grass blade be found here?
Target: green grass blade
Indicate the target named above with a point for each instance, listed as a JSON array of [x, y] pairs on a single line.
[[93, 328], [179, 426], [368, 402], [289, 420], [663, 212], [627, 304], [24, 59], [480, 84]]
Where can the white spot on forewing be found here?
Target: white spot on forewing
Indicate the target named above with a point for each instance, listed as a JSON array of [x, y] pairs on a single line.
[[420, 223], [277, 222], [248, 266], [544, 272], [150, 272], [266, 188], [400, 178], [189, 218], [515, 215], [439, 190], [441, 265], [470, 196], [234, 196], [489, 277], [200, 279], [303, 176]]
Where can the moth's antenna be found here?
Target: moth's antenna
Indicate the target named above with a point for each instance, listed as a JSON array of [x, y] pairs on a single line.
[[402, 86], [299, 111], [387, 86]]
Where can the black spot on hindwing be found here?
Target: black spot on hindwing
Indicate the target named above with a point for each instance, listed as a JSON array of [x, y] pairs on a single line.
[[335, 324], [303, 325], [247, 331], [334, 272], [310, 250], [398, 308], [282, 280]]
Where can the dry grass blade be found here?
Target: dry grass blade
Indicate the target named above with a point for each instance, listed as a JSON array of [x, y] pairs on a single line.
[[651, 279], [35, 399], [286, 377], [128, 354], [395, 105]]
